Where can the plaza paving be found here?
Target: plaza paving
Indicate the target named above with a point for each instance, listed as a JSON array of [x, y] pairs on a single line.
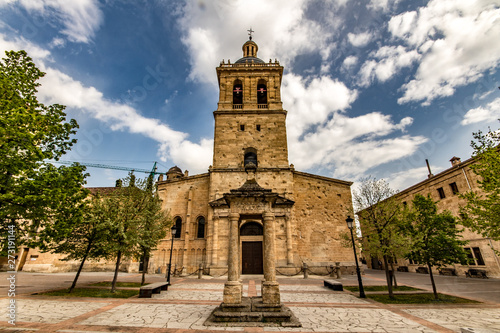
[[189, 301]]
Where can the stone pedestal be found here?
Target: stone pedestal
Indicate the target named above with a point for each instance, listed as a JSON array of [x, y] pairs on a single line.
[[232, 292], [271, 293]]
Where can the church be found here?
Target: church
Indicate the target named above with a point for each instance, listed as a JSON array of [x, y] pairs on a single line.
[[252, 201]]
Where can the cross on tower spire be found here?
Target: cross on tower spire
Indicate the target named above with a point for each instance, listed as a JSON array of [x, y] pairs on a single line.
[[250, 31]]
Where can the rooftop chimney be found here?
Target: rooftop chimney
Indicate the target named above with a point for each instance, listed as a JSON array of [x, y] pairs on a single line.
[[455, 161]]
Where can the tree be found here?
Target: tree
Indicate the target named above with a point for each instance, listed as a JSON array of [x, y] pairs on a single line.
[[32, 189], [153, 225], [482, 211], [136, 224], [379, 211], [434, 238]]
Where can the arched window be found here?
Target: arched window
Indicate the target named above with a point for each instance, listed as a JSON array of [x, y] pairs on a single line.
[[178, 227], [251, 229], [261, 92], [201, 227], [250, 156], [238, 92]]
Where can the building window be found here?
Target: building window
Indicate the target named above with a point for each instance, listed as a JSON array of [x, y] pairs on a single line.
[[242, 127], [470, 257], [258, 127], [474, 256], [250, 156], [201, 227], [251, 229], [238, 92], [454, 188], [479, 257], [261, 92], [441, 193], [178, 227]]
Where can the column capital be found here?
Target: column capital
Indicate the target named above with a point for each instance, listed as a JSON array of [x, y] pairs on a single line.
[[234, 216], [268, 216]]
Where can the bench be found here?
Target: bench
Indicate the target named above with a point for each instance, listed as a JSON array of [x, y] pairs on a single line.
[[422, 270], [402, 269], [448, 271], [474, 272], [333, 284], [154, 288]]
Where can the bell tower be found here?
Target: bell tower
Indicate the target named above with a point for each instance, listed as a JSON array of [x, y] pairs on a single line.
[[250, 120]]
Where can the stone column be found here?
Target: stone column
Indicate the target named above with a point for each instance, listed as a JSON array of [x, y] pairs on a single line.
[[270, 287], [289, 246], [215, 238], [233, 287]]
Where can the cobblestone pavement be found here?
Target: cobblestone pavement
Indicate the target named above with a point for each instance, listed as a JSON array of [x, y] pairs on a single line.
[[189, 302]]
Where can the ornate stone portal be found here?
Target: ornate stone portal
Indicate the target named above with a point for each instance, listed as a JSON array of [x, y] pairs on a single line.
[[253, 200]]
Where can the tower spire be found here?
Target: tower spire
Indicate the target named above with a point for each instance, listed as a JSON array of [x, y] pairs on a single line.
[[250, 31]]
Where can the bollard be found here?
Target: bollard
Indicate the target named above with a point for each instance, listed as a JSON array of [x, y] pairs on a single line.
[[337, 270], [304, 268], [199, 271], [332, 271]]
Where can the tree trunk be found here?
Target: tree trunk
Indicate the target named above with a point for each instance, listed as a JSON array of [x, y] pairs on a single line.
[[87, 251], [436, 297], [394, 275], [388, 277], [115, 277], [145, 264]]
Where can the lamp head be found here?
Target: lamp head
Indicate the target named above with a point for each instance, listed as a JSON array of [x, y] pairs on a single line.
[[349, 221], [173, 230]]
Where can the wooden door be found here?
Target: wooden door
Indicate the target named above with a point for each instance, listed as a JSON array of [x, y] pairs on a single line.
[[251, 258]]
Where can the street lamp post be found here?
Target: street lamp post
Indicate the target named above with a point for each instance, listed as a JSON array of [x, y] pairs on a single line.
[[350, 225], [173, 231]]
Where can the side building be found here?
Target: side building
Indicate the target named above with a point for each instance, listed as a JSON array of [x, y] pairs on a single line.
[[444, 188]]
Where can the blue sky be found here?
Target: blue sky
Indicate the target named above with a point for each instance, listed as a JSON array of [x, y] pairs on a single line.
[[371, 87]]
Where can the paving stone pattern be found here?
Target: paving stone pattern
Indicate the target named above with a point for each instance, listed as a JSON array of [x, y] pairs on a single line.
[[187, 304]]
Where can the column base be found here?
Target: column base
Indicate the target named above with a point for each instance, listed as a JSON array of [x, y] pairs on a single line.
[[271, 293], [232, 292]]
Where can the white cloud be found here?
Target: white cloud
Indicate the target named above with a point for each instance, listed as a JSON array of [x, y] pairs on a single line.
[[488, 113], [385, 63], [80, 18], [353, 145], [384, 5], [278, 36], [360, 40], [404, 179], [458, 41], [57, 87], [349, 62], [311, 103]]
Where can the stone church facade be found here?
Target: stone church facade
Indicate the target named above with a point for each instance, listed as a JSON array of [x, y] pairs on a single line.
[[251, 187]]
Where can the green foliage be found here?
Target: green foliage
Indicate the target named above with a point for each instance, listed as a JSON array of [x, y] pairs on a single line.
[[482, 211], [435, 238], [32, 189], [379, 214]]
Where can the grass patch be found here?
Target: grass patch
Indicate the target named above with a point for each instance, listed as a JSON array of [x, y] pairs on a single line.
[[92, 292], [118, 284], [419, 299], [380, 288]]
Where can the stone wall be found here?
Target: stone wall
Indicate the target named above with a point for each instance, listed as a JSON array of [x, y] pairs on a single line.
[[321, 207]]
